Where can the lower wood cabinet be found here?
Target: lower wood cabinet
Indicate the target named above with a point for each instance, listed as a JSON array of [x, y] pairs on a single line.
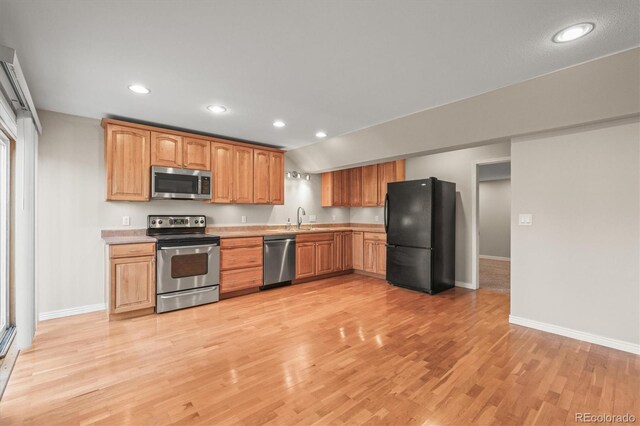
[[241, 264], [343, 251], [374, 253], [358, 254], [132, 277], [314, 255]]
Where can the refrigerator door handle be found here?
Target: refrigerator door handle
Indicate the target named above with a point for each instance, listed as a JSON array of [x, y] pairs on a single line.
[[386, 213]]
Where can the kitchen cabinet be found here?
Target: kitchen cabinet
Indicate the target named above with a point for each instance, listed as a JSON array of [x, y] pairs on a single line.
[[355, 187], [241, 264], [331, 189], [128, 163], [132, 148], [314, 255], [393, 171], [242, 180], [276, 178], [268, 179], [370, 186], [358, 254], [132, 278], [222, 167], [166, 150], [375, 253], [343, 251], [196, 154]]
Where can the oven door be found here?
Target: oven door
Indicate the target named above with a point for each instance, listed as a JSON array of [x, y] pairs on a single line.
[[188, 267], [170, 182]]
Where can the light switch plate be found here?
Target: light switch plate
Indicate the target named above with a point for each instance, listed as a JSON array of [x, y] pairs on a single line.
[[244, 219], [126, 221], [333, 218], [525, 219], [312, 218], [377, 218]]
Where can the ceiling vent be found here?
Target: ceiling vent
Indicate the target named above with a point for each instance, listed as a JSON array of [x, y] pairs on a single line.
[[14, 86]]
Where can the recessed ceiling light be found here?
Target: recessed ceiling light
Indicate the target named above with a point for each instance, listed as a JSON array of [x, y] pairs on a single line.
[[137, 88], [278, 123], [573, 32], [217, 109], [321, 134]]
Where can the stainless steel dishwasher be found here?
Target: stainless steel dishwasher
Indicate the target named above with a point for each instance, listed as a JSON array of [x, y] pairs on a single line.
[[279, 259]]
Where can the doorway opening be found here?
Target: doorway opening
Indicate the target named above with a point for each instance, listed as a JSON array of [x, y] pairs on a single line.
[[492, 221]]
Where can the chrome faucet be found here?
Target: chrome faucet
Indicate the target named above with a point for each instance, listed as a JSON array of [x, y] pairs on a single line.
[[300, 217]]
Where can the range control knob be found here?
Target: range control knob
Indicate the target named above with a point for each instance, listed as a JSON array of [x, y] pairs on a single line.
[[153, 222], [160, 222], [170, 221]]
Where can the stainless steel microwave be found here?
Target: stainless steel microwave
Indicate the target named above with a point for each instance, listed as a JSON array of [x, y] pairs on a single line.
[[180, 184]]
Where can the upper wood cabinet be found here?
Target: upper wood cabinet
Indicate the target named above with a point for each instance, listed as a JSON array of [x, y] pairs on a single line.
[[197, 154], [355, 186], [166, 150], [268, 179], [392, 171], [276, 177], [128, 158], [242, 181], [370, 185], [131, 149], [222, 171]]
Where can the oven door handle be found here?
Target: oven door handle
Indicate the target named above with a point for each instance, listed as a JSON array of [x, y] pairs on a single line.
[[187, 293], [190, 247]]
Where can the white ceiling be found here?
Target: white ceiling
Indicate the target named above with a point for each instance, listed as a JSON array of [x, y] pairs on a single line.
[[334, 65]]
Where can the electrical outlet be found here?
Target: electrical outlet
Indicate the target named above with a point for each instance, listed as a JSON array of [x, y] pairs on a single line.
[[333, 218], [244, 219], [525, 220], [377, 218], [125, 220], [312, 218]]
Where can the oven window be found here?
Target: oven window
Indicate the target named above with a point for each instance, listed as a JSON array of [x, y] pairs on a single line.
[[189, 265], [176, 184]]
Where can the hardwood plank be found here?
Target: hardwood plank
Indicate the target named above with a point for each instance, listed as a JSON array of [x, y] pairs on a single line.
[[349, 349]]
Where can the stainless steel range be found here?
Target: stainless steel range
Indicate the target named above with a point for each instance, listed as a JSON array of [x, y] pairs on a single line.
[[188, 271]]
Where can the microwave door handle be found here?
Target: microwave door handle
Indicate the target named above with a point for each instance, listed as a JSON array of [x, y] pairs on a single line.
[[199, 185]]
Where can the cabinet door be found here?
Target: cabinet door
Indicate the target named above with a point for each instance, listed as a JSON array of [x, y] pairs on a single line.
[[347, 251], [261, 185], [338, 251], [305, 260], [166, 150], [358, 253], [197, 154], [370, 252], [276, 177], [386, 174], [326, 189], [370, 185], [346, 188], [222, 171], [381, 258], [128, 159], [242, 175], [336, 189], [324, 257], [133, 283], [355, 187]]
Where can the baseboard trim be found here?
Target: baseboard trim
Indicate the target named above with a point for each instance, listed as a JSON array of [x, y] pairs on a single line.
[[482, 256], [465, 285], [578, 335], [43, 316]]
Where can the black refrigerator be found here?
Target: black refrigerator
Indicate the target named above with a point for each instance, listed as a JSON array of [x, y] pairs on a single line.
[[420, 221]]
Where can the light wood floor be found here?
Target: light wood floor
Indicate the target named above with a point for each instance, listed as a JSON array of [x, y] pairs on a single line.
[[349, 349], [495, 274]]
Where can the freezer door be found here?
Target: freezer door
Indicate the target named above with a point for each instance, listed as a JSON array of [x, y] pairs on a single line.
[[409, 267], [408, 213]]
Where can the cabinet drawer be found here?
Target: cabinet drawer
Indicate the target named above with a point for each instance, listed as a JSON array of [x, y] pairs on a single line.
[[240, 242], [240, 279], [375, 236], [133, 250], [314, 238], [240, 257]]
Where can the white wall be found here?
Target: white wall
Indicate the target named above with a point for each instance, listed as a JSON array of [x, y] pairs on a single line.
[[494, 199], [577, 269], [73, 211], [454, 166]]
